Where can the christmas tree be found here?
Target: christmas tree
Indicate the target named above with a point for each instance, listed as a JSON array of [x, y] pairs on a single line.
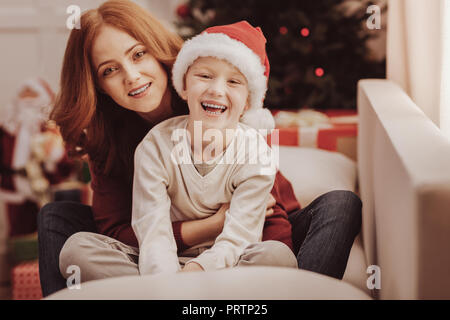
[[317, 50]]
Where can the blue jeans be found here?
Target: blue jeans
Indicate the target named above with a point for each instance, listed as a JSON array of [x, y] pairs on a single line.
[[57, 221], [322, 234], [324, 231]]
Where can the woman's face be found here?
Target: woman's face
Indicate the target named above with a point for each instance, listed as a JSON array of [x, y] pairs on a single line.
[[125, 71]]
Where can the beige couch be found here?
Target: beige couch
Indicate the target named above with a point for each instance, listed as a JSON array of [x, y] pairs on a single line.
[[403, 170]]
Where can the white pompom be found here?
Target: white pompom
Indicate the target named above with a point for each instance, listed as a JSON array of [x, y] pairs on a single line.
[[258, 119]]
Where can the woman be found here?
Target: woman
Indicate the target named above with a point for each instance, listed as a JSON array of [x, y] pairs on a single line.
[[114, 88]]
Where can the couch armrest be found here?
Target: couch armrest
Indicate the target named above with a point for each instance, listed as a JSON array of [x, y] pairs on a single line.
[[404, 172]]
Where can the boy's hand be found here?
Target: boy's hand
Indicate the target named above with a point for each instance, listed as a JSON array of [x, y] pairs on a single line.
[[191, 266]]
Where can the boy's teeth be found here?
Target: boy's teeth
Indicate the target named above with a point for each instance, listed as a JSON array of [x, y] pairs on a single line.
[[139, 90], [215, 106]]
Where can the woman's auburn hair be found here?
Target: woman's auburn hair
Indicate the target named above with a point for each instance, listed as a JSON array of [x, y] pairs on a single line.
[[90, 121]]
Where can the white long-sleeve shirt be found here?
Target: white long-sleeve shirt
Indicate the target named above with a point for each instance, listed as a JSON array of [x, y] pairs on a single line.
[[165, 191]]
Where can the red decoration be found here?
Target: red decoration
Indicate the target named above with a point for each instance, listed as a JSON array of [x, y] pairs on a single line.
[[283, 30], [304, 32], [319, 72], [183, 11], [25, 281]]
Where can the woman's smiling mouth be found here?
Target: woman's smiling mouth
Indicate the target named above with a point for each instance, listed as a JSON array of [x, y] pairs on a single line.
[[139, 92]]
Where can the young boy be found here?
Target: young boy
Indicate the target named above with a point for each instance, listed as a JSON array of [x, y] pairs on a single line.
[[182, 173]]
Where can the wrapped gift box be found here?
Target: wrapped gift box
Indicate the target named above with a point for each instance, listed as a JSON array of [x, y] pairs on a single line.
[[333, 130], [25, 281]]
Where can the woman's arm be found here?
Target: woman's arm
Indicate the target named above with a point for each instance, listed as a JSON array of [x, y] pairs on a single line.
[[198, 231], [244, 220], [277, 225], [112, 213], [111, 206]]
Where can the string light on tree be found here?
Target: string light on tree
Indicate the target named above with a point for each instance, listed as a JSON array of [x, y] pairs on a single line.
[[319, 72], [304, 32], [283, 30]]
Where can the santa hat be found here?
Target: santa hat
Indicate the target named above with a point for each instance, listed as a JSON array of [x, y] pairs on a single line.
[[244, 47]]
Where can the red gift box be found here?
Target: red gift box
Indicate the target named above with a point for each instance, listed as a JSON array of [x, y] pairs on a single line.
[[25, 281], [338, 133]]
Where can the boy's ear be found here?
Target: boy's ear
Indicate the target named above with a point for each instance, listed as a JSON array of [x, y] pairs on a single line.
[[247, 105]]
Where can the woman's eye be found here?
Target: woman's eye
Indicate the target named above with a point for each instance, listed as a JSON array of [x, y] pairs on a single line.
[[204, 76], [108, 71], [139, 54], [232, 81]]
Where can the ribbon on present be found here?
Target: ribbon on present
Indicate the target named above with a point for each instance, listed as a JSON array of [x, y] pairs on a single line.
[[332, 130]]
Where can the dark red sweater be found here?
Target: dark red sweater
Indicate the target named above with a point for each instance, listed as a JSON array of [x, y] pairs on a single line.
[[112, 201]]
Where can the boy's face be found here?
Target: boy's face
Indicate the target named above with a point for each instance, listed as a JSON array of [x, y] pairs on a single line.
[[216, 92]]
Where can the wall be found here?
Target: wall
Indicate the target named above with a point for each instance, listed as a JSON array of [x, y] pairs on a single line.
[[33, 36]]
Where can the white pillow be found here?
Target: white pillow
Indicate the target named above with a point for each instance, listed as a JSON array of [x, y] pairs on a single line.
[[313, 172]]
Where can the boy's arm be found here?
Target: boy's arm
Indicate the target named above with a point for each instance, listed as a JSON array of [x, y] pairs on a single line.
[[111, 207], [243, 223], [151, 211]]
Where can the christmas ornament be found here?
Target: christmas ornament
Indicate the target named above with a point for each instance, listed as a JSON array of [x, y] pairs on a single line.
[[183, 11]]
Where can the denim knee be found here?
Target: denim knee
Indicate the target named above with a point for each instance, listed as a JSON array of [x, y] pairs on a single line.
[[63, 214], [43, 217], [347, 206]]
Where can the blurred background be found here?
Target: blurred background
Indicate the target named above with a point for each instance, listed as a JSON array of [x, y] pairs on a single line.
[[318, 50]]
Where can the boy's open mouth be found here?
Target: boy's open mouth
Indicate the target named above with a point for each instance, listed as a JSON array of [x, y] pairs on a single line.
[[213, 108]]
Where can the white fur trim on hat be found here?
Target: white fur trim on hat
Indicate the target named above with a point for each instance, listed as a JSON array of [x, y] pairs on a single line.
[[258, 119], [221, 46]]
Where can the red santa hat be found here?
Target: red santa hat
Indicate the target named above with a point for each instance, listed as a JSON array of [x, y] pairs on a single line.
[[243, 46]]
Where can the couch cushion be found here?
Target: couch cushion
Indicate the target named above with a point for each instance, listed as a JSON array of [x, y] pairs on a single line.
[[356, 270], [259, 283], [313, 172]]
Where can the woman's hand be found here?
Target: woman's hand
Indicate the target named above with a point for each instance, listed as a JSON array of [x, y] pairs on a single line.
[[191, 266], [270, 205], [219, 217]]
